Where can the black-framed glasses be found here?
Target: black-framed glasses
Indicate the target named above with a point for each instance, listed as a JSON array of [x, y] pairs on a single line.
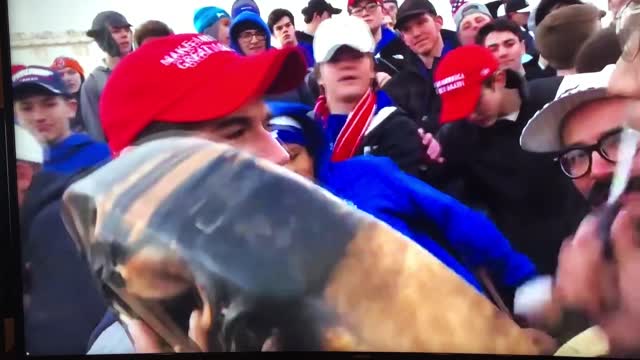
[[248, 35], [576, 161], [369, 8], [627, 23]]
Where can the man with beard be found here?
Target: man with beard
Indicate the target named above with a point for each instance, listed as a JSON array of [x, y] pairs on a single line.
[[112, 32], [606, 291]]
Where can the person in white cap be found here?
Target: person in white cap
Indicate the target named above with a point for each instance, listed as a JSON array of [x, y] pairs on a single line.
[[359, 118], [29, 158]]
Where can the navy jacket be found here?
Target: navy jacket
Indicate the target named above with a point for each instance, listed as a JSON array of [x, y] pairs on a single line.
[[64, 303], [76, 153]]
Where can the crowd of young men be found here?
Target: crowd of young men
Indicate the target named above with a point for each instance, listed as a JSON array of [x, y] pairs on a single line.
[[491, 124]]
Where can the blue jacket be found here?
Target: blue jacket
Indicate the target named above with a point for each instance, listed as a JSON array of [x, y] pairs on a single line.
[[238, 21], [378, 187], [75, 153]]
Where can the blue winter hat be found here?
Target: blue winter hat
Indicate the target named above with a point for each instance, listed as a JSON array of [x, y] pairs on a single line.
[[240, 6], [207, 16], [241, 22]]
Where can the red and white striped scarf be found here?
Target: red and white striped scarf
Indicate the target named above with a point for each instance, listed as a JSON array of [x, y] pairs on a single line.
[[354, 128]]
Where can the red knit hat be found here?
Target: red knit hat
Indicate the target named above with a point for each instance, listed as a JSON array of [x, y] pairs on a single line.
[[63, 62]]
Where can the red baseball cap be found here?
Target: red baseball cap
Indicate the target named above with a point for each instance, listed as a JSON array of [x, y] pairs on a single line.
[[458, 80], [189, 78]]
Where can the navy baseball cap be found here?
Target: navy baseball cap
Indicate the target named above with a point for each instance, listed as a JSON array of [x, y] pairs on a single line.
[[240, 6], [38, 79]]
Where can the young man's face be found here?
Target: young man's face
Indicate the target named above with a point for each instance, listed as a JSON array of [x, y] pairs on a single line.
[[507, 48], [587, 125], [520, 18], [487, 110], [301, 161], [348, 75], [422, 33], [220, 31], [285, 32], [470, 26], [392, 10], [252, 42], [247, 129], [123, 36], [371, 12], [46, 117], [72, 79]]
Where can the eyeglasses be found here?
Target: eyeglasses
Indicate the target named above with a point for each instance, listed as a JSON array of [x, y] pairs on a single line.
[[248, 35], [627, 23], [369, 8], [576, 161]]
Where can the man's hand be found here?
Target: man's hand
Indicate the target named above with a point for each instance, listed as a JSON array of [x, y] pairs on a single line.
[[382, 78], [609, 292], [580, 269], [434, 150], [622, 326]]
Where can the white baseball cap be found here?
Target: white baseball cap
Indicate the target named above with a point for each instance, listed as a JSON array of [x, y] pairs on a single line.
[[542, 133], [27, 147], [336, 32]]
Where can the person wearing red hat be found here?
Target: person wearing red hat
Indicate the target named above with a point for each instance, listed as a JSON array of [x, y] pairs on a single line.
[[191, 85], [73, 76], [391, 53], [484, 110]]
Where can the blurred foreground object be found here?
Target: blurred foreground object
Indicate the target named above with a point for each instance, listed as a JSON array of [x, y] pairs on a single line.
[[182, 226]]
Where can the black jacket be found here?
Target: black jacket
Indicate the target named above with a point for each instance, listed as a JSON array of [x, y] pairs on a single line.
[[413, 91], [531, 201], [533, 70], [394, 58], [64, 304], [396, 137]]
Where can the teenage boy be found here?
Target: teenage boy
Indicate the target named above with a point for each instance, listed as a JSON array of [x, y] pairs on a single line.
[[229, 110], [525, 194], [314, 14], [391, 53], [45, 107], [283, 27], [213, 21], [519, 12], [469, 18], [112, 32], [412, 89], [505, 40]]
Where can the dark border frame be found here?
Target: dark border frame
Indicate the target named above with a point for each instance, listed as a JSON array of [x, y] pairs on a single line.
[[10, 250]]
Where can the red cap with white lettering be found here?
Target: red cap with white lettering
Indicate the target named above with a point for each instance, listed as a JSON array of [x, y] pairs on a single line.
[[189, 78], [458, 80]]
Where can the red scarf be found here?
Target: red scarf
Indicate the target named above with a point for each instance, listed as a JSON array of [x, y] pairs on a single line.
[[354, 128]]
